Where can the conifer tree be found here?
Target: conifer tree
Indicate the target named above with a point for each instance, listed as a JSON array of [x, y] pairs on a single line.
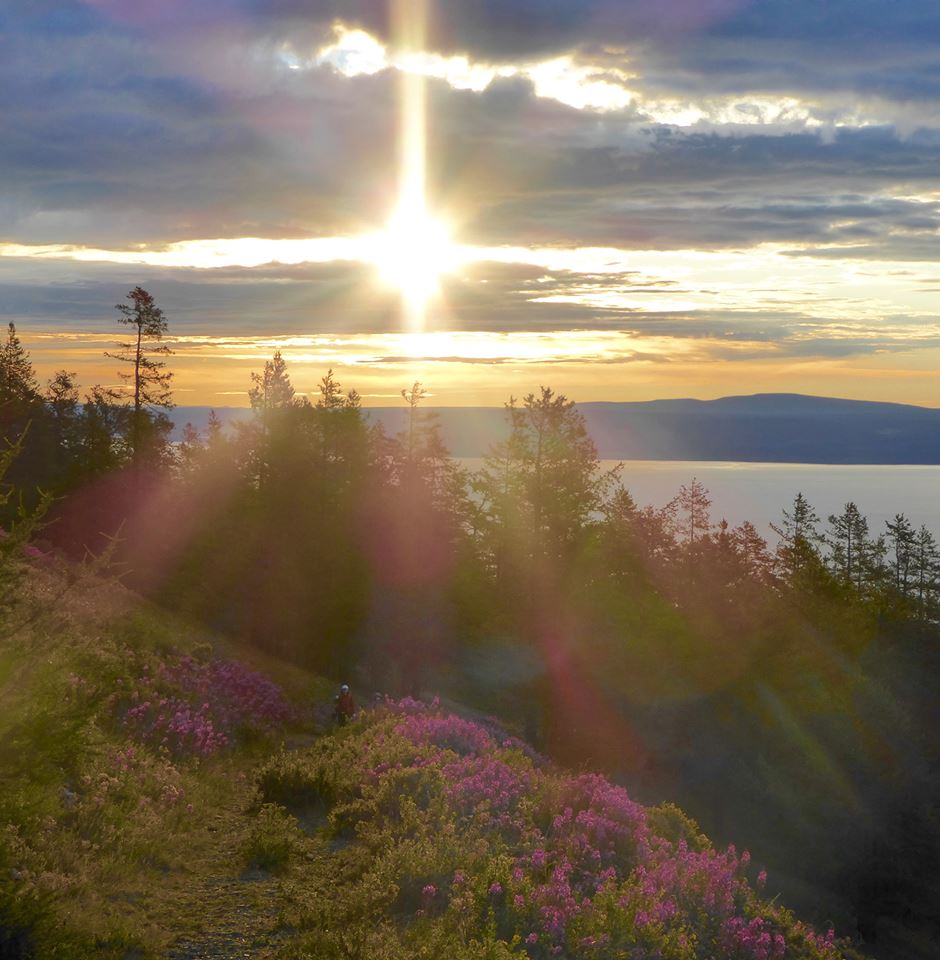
[[272, 389], [694, 503], [413, 398], [800, 539], [752, 549], [903, 541], [65, 418], [332, 396], [104, 431], [341, 437], [498, 485], [855, 557], [273, 443], [18, 384], [546, 476], [189, 452], [925, 571], [62, 395], [148, 378], [214, 435]]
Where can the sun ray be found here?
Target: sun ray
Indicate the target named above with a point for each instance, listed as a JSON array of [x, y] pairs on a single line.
[[415, 248]]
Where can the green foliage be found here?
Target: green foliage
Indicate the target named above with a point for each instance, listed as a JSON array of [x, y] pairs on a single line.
[[668, 821], [429, 862], [96, 823], [273, 839], [769, 692], [15, 539], [148, 379], [17, 378]]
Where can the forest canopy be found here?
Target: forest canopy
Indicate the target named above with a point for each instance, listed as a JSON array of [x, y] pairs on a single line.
[[780, 693]]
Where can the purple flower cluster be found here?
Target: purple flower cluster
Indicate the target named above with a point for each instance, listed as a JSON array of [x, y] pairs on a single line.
[[446, 731], [574, 865], [195, 707], [607, 826], [753, 940], [475, 782], [174, 723]]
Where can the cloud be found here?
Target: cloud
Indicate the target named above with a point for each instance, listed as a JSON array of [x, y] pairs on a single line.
[[793, 145], [126, 122]]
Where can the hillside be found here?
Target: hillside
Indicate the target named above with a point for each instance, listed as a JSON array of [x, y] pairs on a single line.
[[169, 795], [773, 428]]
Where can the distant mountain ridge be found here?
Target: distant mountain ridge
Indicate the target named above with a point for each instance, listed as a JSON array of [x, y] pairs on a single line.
[[764, 427]]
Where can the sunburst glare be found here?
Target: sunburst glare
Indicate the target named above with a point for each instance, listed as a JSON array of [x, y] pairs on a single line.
[[415, 249], [412, 254]]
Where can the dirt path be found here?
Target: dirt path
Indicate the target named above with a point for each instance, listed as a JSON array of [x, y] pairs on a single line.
[[239, 920], [218, 912]]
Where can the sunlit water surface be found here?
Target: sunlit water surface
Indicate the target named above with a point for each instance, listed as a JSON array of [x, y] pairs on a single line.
[[759, 491]]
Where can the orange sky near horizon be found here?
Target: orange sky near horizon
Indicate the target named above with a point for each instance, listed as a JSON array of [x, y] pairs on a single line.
[[484, 369]]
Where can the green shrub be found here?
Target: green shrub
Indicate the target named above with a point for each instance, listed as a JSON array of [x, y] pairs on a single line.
[[273, 840]]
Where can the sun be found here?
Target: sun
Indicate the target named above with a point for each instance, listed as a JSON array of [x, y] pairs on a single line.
[[413, 252]]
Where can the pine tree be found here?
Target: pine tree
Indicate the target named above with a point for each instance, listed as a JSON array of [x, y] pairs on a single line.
[[642, 540], [148, 379], [274, 443], [418, 461], [103, 433], [855, 557], [272, 389], [925, 571], [847, 540], [545, 480], [214, 434], [62, 395], [190, 452], [413, 398], [903, 541], [800, 539], [65, 418], [341, 437], [18, 384], [332, 396], [693, 502], [752, 549], [499, 489]]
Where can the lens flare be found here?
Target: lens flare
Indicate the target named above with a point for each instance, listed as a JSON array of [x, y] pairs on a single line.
[[415, 249], [412, 254]]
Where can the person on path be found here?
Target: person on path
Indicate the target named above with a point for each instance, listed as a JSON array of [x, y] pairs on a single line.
[[344, 707]]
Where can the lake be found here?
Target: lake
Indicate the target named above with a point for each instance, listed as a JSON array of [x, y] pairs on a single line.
[[759, 491]]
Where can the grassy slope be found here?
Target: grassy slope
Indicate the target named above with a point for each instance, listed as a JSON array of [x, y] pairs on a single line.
[[97, 860], [290, 846]]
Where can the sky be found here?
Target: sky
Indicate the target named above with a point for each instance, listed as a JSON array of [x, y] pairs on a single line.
[[623, 199]]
